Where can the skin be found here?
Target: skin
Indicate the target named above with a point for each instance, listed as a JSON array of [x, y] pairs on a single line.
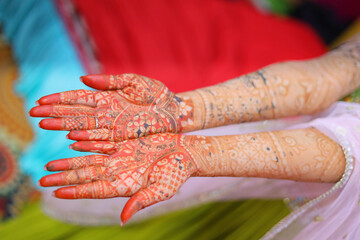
[[152, 169], [130, 106]]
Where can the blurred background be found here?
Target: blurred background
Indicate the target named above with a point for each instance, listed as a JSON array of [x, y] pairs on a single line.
[[46, 45]]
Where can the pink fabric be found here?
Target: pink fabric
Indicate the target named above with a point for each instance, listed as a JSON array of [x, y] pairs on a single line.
[[340, 211]]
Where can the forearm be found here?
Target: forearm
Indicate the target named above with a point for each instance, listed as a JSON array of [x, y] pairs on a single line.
[[302, 155], [279, 90]]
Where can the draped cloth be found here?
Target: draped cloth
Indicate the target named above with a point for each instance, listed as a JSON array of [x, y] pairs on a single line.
[[320, 210], [48, 63]]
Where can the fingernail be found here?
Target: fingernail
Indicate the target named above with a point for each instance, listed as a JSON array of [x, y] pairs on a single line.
[[70, 147], [53, 194], [67, 136], [122, 224], [38, 183], [45, 168], [37, 103], [81, 79]]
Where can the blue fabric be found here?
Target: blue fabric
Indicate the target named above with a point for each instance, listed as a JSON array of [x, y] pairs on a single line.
[[48, 63]]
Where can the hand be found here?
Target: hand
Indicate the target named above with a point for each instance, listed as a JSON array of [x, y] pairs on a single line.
[[129, 106], [149, 169]]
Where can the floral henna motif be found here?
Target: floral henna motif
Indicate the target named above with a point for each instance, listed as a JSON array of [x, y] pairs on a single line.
[[302, 155], [132, 106], [153, 168], [280, 90], [149, 169]]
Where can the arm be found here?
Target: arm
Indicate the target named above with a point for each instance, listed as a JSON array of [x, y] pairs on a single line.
[[279, 90], [153, 168], [131, 106], [300, 155]]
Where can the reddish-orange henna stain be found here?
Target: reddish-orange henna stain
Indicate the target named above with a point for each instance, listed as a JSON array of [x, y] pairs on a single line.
[[149, 169], [153, 168], [133, 106]]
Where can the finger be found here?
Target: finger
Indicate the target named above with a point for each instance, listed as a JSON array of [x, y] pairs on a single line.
[[95, 146], [62, 111], [75, 123], [106, 82], [146, 197], [78, 176], [101, 134], [85, 97], [77, 162], [98, 189]]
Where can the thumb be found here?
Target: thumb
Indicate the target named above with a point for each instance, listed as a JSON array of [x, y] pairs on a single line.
[[105, 82], [146, 197]]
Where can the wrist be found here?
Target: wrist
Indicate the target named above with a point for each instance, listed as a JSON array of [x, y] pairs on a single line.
[[191, 111], [204, 153]]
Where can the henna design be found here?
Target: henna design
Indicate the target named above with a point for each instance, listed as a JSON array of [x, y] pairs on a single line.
[[149, 169], [302, 155], [153, 168], [243, 99], [133, 106], [280, 90]]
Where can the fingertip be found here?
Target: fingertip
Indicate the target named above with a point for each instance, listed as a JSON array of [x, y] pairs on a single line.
[[41, 124], [50, 99], [97, 81], [131, 207], [77, 146], [65, 193], [82, 146], [124, 217], [77, 135], [41, 111], [42, 182], [51, 180], [51, 124], [71, 135], [33, 112], [57, 165], [37, 103]]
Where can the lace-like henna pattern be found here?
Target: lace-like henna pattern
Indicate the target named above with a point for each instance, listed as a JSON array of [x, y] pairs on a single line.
[[149, 169], [133, 106], [153, 168], [302, 155], [280, 90]]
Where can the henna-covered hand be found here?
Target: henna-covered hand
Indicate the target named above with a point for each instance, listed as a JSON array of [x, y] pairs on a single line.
[[129, 106], [149, 169], [153, 168], [132, 106]]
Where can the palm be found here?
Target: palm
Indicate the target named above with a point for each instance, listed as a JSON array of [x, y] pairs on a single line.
[[132, 106], [149, 169]]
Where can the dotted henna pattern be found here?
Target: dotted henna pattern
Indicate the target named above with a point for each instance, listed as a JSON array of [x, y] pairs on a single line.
[[149, 169], [132, 106]]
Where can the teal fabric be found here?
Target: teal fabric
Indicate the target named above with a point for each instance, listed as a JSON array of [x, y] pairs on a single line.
[[48, 63]]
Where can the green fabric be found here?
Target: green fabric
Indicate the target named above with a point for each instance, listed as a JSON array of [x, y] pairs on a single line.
[[353, 97], [226, 220], [281, 7]]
